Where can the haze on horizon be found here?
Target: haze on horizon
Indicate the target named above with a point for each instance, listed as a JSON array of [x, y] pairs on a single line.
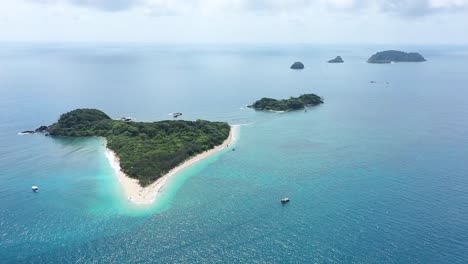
[[235, 21]]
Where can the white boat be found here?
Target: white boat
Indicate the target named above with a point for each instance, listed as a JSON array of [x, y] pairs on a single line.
[[285, 200], [35, 188], [176, 115], [127, 119]]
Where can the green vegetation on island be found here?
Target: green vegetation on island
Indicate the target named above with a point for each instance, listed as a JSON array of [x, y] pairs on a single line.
[[390, 56], [147, 150], [293, 103]]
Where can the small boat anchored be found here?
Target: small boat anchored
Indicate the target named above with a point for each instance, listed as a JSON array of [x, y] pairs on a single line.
[[176, 115], [285, 200], [127, 119], [35, 188]]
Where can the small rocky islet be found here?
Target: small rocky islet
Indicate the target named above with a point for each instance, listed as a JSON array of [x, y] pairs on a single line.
[[338, 59], [297, 65]]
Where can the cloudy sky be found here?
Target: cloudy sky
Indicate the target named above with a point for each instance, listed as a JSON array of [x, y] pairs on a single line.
[[236, 21]]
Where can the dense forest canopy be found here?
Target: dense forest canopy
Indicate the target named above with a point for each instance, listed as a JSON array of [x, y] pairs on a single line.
[[147, 150], [293, 103]]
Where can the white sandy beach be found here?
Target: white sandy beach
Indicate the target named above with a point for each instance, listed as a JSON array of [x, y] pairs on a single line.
[[147, 195]]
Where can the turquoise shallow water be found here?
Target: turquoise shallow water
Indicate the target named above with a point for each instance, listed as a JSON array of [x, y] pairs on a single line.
[[378, 174]]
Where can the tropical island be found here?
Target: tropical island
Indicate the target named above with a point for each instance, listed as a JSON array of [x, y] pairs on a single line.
[[390, 56], [147, 153], [291, 104], [338, 59]]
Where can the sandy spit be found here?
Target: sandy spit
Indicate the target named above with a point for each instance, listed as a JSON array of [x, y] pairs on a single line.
[[149, 194]]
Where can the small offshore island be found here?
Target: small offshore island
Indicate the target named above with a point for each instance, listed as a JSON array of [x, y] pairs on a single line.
[[390, 56], [338, 59], [297, 66], [146, 154], [291, 104]]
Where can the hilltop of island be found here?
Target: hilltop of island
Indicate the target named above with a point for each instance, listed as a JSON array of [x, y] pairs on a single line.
[[147, 150], [338, 59], [390, 56], [291, 104]]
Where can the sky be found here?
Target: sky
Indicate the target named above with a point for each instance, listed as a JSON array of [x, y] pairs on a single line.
[[236, 21]]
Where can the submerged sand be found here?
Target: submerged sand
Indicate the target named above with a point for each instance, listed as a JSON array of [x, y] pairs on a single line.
[[147, 195]]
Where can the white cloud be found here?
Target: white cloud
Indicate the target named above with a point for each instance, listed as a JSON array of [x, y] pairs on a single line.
[[174, 7], [105, 5], [448, 3], [181, 21], [340, 4]]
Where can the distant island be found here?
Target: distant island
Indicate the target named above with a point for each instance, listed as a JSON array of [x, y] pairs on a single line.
[[146, 150], [338, 59], [297, 65], [390, 56], [291, 104]]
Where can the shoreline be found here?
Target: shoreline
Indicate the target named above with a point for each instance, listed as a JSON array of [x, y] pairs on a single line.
[[147, 195]]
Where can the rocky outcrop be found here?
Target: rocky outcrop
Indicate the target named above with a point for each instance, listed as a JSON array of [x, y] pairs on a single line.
[[338, 59], [297, 65], [42, 129]]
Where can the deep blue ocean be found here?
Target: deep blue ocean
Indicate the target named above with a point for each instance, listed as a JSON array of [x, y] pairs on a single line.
[[377, 174]]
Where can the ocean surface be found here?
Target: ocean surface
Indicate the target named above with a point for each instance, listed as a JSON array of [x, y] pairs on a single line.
[[377, 174]]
